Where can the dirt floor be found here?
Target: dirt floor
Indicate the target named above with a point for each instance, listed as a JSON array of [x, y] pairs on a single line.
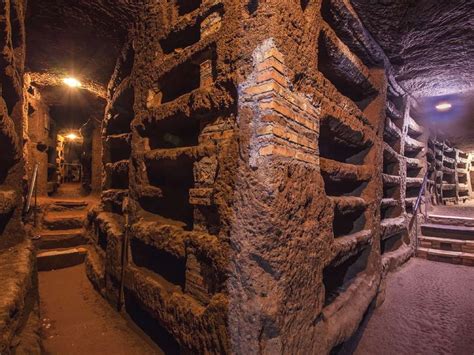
[[462, 210], [429, 309], [76, 320]]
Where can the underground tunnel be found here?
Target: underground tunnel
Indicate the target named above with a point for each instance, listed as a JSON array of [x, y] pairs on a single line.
[[236, 177]]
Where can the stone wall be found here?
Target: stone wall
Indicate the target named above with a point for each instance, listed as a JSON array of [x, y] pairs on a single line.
[[19, 319], [250, 155], [41, 143]]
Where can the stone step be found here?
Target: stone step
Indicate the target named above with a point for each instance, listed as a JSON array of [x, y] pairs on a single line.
[[446, 256], [450, 220], [447, 231], [67, 205], [60, 239], [60, 258], [465, 246], [63, 221]]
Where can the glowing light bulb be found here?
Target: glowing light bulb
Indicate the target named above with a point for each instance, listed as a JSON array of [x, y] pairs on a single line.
[[443, 106], [72, 82], [72, 136]]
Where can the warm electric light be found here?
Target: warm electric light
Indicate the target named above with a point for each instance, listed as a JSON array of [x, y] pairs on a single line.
[[443, 106], [72, 82], [72, 136]]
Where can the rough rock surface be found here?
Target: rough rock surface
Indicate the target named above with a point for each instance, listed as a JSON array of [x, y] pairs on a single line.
[[428, 309], [429, 42]]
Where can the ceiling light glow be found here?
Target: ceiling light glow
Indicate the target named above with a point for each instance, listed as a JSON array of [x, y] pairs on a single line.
[[72, 82], [72, 136], [443, 106]]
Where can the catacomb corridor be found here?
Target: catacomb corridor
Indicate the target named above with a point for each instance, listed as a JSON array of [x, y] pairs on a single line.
[[237, 177]]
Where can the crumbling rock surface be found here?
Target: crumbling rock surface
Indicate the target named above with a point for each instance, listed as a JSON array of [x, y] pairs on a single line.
[[429, 42]]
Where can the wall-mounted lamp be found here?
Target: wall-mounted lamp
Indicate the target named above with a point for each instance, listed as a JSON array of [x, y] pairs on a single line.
[[443, 106], [72, 136], [72, 82]]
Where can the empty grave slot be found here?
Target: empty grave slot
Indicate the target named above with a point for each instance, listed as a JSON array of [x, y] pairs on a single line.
[[6, 158], [102, 239], [121, 114], [173, 132], [4, 219], [390, 211], [118, 149], [461, 165], [126, 63], [412, 192], [391, 165], [170, 268], [396, 118], [393, 242], [450, 153], [462, 178], [202, 279], [449, 193], [463, 155], [209, 218], [393, 141], [339, 142], [187, 6], [343, 74], [413, 171], [391, 192], [185, 77], [174, 177], [337, 187], [337, 21], [141, 316], [449, 164], [449, 178], [337, 277], [181, 39], [348, 223], [118, 176], [463, 193], [413, 153], [9, 93], [16, 28]]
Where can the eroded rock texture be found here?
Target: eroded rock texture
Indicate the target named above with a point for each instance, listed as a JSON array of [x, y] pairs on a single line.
[[430, 42], [19, 320]]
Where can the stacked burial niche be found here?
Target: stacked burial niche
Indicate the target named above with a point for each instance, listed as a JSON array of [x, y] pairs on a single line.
[[348, 150], [448, 168], [165, 132], [173, 165], [18, 299]]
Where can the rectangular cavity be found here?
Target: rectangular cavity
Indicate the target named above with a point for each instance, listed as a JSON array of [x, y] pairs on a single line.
[[174, 178], [150, 326], [338, 277], [393, 242], [348, 223], [338, 141], [164, 264], [187, 6], [336, 187], [185, 77], [343, 73]]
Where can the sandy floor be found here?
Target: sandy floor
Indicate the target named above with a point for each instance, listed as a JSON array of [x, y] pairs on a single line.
[[429, 309], [76, 320], [462, 210]]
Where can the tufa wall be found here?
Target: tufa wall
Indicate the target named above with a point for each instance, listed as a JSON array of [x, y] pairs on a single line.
[[19, 320], [261, 166]]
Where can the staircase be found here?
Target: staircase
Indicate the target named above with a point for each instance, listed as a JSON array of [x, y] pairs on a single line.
[[447, 239], [61, 242]]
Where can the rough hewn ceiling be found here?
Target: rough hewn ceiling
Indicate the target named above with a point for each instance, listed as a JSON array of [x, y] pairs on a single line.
[[430, 42], [82, 37]]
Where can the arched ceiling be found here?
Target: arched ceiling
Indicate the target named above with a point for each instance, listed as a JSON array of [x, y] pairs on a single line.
[[77, 37], [429, 42]]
